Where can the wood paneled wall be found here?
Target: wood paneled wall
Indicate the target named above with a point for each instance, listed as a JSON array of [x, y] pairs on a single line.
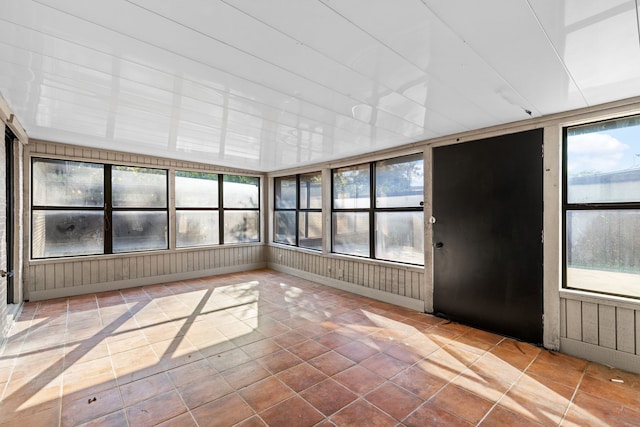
[[604, 330], [403, 285], [64, 277], [53, 278]]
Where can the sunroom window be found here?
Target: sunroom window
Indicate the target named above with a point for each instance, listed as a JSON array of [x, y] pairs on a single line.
[[82, 208], [298, 210], [377, 210], [602, 207]]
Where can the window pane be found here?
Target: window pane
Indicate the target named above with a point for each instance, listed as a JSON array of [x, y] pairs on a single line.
[[241, 226], [400, 237], [134, 187], [400, 182], [311, 191], [285, 227], [241, 191], [196, 190], [64, 183], [351, 233], [285, 192], [310, 230], [67, 233], [603, 251], [603, 162], [139, 231], [196, 228], [351, 187]]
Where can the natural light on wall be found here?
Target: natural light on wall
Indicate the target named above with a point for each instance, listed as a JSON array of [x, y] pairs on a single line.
[[602, 207]]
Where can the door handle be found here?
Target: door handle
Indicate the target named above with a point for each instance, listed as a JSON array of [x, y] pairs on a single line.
[[6, 273], [438, 245]]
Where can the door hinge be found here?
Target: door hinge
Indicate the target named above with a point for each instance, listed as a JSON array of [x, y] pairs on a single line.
[[542, 237]]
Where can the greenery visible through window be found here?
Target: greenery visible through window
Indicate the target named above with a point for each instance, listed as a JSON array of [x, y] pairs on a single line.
[[602, 207], [377, 210], [298, 210]]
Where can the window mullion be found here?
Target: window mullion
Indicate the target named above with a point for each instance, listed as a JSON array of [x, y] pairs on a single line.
[[297, 211], [372, 207], [108, 211], [220, 209]]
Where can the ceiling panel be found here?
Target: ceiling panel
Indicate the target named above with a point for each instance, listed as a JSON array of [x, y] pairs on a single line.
[[603, 67], [272, 85], [508, 37]]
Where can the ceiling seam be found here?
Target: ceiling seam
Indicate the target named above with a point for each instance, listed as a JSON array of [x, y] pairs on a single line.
[[176, 76], [555, 51], [323, 2], [507, 82], [173, 93], [638, 20], [278, 66], [319, 52], [289, 95], [227, 72], [404, 58], [401, 137]]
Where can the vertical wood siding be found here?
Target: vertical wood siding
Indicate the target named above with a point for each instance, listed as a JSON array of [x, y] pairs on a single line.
[[69, 276], [403, 281], [604, 324], [73, 273]]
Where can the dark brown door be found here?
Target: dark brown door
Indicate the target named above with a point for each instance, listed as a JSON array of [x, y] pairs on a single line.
[[487, 202]]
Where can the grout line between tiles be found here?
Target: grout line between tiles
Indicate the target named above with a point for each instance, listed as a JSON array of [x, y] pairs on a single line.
[[575, 392], [522, 373]]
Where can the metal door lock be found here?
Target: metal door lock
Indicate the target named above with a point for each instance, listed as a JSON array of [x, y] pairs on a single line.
[[6, 273]]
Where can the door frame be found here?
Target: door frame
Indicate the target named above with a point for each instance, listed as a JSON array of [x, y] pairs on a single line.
[[552, 164], [9, 141]]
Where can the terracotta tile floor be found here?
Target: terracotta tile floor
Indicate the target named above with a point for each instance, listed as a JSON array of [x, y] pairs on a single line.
[[264, 348]]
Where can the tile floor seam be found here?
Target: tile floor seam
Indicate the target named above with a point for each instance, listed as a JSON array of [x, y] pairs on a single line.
[[425, 401], [175, 389], [522, 373], [64, 370], [275, 404], [113, 368], [352, 403], [467, 368], [356, 334], [408, 414], [575, 392]]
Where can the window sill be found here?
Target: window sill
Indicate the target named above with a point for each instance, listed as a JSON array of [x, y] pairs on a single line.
[[596, 298]]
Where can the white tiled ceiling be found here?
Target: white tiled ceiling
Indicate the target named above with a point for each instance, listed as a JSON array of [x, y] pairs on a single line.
[[272, 84]]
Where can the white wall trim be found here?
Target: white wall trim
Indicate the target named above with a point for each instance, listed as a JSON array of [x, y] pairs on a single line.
[[398, 300], [606, 356], [144, 281], [552, 232], [427, 282], [602, 299]]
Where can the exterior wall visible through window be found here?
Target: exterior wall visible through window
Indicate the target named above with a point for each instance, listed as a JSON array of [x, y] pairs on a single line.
[[85, 208], [602, 207], [377, 210], [298, 210]]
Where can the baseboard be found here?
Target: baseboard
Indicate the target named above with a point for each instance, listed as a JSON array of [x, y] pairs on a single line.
[[132, 283], [394, 299], [606, 356]]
